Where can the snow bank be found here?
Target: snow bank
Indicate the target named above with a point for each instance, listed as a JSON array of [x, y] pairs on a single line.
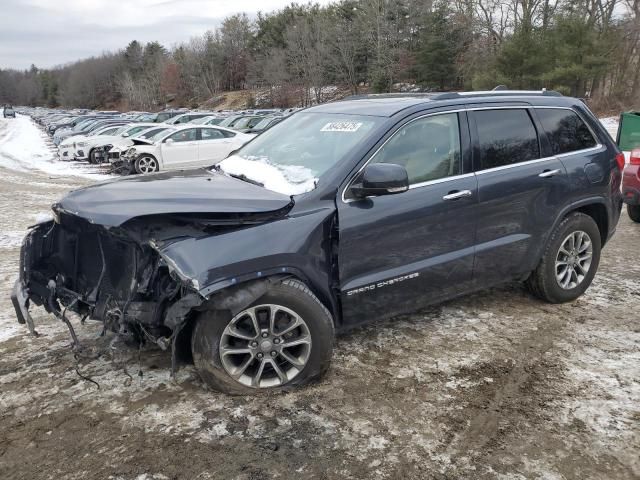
[[24, 147], [611, 125], [289, 180]]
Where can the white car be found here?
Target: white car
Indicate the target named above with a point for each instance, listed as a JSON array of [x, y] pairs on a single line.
[[186, 147], [147, 137], [68, 148], [93, 148]]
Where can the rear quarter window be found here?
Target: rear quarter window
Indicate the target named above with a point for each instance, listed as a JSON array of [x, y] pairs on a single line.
[[566, 131]]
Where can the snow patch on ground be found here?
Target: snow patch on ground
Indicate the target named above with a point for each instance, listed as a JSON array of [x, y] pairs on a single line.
[[23, 147], [11, 239]]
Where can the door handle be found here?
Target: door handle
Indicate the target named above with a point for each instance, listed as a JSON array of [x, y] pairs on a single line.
[[456, 194], [550, 173]]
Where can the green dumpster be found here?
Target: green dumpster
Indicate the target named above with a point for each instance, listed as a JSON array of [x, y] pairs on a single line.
[[629, 131]]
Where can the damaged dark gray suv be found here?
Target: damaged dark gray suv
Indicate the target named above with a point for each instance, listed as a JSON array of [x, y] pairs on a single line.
[[341, 214]]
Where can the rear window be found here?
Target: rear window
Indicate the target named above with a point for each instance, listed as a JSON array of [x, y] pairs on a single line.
[[566, 130], [506, 137]]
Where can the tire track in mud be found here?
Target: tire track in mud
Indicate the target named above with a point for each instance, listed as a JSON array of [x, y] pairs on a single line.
[[496, 407]]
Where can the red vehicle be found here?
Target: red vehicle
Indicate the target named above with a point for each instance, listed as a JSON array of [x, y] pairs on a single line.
[[631, 185]]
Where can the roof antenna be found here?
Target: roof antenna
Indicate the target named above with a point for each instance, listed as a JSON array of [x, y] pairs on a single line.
[[500, 87]]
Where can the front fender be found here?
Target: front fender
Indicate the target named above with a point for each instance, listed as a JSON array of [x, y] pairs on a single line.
[[297, 245]]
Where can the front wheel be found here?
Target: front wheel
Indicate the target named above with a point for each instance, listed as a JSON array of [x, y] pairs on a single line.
[[634, 212], [146, 164], [569, 262], [282, 340]]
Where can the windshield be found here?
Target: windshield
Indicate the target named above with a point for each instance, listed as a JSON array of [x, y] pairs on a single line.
[[118, 131], [228, 121], [291, 156], [264, 123], [201, 120], [161, 134], [146, 134], [214, 121]]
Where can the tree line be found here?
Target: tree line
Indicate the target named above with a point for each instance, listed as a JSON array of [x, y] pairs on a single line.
[[299, 55]]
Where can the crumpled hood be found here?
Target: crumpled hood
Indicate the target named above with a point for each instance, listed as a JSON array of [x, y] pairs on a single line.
[[100, 140], [124, 143], [198, 191]]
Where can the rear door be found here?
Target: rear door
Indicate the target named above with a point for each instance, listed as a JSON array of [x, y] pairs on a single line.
[[521, 189], [213, 146], [182, 151], [400, 252]]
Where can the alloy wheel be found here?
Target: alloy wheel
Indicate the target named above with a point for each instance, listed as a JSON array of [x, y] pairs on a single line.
[[573, 260], [265, 346], [147, 165]]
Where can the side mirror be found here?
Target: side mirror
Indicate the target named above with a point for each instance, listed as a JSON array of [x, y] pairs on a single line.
[[169, 141], [125, 135], [381, 179]]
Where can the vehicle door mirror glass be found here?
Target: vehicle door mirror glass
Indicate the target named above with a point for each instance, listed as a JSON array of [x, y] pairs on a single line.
[[381, 179]]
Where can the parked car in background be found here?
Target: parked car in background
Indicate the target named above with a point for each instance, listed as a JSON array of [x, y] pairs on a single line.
[[146, 137], [187, 118], [77, 146], [210, 120], [631, 185], [186, 147], [264, 124], [8, 112], [97, 146], [345, 212], [247, 123]]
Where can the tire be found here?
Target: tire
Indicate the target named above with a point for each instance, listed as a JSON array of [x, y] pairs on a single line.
[[210, 335], [146, 164], [92, 157], [634, 212], [543, 281]]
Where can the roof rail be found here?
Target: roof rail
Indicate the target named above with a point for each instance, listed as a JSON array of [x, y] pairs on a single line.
[[497, 92]]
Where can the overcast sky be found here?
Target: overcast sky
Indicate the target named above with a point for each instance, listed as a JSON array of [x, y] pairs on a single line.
[[54, 32]]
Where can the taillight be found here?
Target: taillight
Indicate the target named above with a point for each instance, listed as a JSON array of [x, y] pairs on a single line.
[[635, 157], [620, 160]]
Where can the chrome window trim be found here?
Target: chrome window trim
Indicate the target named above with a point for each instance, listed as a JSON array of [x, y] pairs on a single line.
[[593, 135], [597, 147], [344, 200]]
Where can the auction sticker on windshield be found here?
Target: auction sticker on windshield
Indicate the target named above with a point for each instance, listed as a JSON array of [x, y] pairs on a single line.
[[341, 127]]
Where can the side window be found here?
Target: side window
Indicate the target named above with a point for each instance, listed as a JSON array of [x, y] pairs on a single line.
[[227, 134], [210, 134], [429, 148], [566, 130], [506, 137], [188, 135]]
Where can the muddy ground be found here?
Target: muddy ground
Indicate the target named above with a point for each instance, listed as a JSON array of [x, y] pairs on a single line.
[[492, 386]]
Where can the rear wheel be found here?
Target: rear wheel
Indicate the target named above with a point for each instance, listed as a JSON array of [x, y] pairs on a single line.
[[634, 212], [281, 341], [146, 164], [569, 262]]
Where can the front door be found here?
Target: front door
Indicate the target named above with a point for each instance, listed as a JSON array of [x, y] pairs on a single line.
[[180, 150], [400, 252]]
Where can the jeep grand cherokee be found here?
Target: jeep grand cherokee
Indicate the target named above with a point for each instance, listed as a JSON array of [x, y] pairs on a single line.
[[343, 213]]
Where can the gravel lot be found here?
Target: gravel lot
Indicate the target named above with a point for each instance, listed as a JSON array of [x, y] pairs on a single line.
[[494, 385]]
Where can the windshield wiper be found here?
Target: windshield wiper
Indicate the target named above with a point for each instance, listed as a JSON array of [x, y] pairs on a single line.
[[244, 178]]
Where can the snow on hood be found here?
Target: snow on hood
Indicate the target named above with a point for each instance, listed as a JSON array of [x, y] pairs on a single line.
[[285, 179]]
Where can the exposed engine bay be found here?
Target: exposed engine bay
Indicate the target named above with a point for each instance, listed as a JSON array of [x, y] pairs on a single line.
[[116, 275]]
